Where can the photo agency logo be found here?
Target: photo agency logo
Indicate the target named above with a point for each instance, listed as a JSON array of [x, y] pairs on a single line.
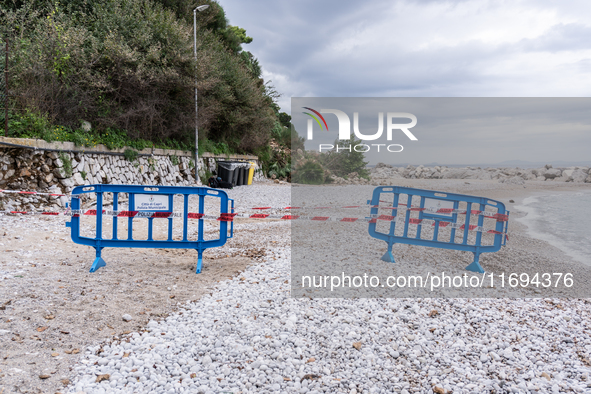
[[344, 132]]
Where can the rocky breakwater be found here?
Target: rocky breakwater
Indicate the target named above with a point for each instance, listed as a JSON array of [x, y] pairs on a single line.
[[385, 174]]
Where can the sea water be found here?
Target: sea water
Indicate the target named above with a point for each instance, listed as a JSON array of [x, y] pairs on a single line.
[[563, 220]]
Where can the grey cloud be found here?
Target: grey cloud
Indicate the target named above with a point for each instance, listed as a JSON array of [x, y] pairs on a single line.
[[561, 37], [291, 39], [295, 43]]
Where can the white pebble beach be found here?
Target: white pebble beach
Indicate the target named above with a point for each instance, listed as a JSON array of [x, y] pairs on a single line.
[[147, 323]]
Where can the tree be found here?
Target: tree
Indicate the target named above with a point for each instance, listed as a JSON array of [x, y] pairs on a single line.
[[285, 119], [129, 65], [241, 34], [251, 63], [343, 162]]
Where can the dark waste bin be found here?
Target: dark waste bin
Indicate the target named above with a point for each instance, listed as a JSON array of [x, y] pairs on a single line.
[[227, 171], [240, 180], [246, 170], [236, 171]]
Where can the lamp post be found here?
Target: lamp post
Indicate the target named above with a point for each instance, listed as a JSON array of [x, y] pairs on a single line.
[[200, 8]]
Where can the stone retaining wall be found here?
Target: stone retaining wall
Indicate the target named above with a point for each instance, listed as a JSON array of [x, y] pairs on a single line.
[[36, 165]]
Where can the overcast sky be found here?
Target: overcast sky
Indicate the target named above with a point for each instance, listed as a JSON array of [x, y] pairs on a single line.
[[426, 48], [457, 130]]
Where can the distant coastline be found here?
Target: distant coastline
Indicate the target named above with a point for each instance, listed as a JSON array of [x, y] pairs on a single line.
[[386, 174], [504, 164]]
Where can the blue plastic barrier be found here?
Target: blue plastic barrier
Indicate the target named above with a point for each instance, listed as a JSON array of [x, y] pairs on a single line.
[[439, 210], [149, 202]]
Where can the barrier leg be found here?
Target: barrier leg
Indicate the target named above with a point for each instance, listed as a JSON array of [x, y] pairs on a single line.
[[199, 261], [475, 265], [388, 256], [98, 261]]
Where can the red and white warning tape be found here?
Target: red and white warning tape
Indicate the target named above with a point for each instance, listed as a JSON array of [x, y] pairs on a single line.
[[50, 213], [226, 217], [147, 214], [37, 193], [446, 211], [374, 219], [401, 207], [229, 217]]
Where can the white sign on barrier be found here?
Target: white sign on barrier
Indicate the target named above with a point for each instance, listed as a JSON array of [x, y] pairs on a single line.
[[151, 202], [434, 205]]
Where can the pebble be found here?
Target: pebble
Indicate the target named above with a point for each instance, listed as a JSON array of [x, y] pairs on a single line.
[[213, 346], [127, 317]]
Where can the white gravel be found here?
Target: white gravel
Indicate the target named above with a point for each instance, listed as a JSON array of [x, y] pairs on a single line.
[[250, 336]]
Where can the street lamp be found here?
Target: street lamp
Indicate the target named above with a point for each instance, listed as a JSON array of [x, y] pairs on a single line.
[[200, 8]]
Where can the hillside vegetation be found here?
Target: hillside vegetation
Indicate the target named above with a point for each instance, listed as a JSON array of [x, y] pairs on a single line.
[[127, 68]]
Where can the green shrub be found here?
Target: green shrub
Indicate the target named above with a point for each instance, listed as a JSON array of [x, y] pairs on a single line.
[[29, 125], [152, 164], [175, 144], [130, 155], [114, 138], [278, 171], [217, 148], [310, 172], [67, 162], [281, 134], [34, 125], [174, 160], [265, 158], [56, 133], [82, 138], [344, 162], [139, 144], [205, 177]]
